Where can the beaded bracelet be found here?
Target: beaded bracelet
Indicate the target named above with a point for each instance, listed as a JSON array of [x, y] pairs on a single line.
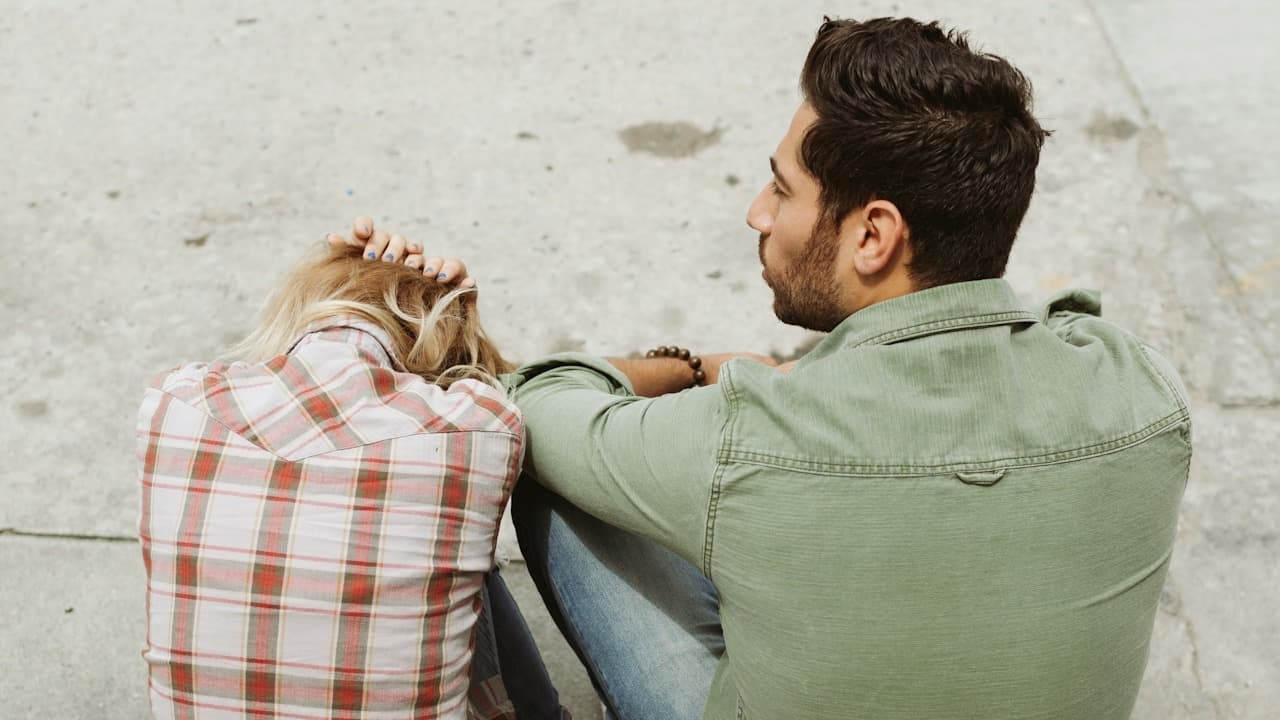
[[695, 362]]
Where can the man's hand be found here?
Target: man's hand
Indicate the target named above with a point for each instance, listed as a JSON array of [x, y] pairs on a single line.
[[384, 247]]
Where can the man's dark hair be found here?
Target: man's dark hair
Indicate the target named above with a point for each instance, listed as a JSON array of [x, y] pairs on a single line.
[[909, 114]]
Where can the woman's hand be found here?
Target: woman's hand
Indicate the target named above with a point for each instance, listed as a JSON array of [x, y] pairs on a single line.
[[383, 247]]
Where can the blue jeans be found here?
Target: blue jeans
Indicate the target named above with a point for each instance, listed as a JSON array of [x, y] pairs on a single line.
[[644, 622], [504, 647]]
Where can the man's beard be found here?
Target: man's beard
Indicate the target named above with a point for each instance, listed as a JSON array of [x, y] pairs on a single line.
[[806, 293]]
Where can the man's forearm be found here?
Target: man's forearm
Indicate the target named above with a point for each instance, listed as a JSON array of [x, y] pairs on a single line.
[[651, 377]]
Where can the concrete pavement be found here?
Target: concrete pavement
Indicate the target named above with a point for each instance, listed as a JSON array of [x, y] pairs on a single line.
[[593, 162]]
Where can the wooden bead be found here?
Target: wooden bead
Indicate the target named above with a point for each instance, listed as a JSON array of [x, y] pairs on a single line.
[[651, 354], [684, 354], [695, 362], [699, 376]]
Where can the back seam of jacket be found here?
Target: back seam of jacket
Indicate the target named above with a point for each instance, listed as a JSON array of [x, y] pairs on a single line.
[[817, 467]]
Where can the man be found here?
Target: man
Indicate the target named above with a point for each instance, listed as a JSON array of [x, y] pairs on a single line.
[[951, 508]]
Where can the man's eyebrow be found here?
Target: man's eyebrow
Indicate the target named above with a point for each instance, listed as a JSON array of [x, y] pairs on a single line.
[[773, 165]]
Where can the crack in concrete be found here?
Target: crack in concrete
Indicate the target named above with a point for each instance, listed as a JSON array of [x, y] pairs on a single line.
[[1148, 118], [1190, 630], [1235, 404], [1253, 325], [15, 532]]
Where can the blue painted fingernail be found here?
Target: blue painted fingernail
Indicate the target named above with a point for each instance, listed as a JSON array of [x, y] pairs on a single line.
[[429, 269], [389, 256], [372, 255], [441, 276]]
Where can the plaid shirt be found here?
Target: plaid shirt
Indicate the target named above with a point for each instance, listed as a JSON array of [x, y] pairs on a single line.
[[316, 529]]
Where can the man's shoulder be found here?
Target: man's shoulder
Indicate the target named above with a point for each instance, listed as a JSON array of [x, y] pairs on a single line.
[[1075, 318], [1021, 393]]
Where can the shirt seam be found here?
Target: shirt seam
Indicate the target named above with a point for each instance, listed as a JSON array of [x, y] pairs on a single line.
[[915, 470], [516, 436], [966, 321], [717, 477]]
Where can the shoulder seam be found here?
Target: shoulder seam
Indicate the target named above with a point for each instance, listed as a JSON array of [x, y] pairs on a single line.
[[515, 436]]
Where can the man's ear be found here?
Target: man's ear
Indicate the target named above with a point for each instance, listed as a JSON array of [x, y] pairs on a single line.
[[881, 237]]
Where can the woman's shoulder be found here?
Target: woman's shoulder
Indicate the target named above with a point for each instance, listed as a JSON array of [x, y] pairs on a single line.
[[468, 405]]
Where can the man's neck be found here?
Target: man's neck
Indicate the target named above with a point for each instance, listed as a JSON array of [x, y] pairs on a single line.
[[864, 295]]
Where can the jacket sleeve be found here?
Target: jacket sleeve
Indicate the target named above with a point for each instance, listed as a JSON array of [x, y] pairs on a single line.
[[642, 464]]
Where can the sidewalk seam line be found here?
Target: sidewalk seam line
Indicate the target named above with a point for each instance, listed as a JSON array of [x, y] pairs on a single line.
[[15, 532]]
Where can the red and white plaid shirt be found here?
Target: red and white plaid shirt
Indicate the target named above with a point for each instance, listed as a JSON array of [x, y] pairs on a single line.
[[316, 529]]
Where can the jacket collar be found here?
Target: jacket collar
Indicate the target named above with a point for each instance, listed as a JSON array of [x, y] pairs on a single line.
[[956, 306]]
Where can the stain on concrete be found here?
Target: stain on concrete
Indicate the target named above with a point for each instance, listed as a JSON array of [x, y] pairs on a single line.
[[672, 140], [737, 287], [1105, 127], [671, 318], [588, 284], [731, 180], [33, 409], [246, 21], [1170, 599], [1051, 183], [1054, 282], [1256, 279], [113, 194], [197, 241], [714, 275], [568, 344], [526, 135]]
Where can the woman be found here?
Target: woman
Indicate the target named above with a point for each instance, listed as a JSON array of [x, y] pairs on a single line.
[[319, 518]]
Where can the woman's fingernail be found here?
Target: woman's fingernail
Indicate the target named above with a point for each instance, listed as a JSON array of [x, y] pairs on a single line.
[[441, 276], [415, 247], [429, 269], [364, 229], [372, 255], [389, 256]]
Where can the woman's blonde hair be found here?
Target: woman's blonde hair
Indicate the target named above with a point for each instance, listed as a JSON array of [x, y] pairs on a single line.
[[434, 331]]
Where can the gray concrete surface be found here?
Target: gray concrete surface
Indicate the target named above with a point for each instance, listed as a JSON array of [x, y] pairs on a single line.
[[165, 162]]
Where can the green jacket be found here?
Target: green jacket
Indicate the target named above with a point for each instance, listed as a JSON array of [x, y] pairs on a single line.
[[951, 508]]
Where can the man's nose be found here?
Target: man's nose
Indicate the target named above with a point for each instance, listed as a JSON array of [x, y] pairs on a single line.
[[760, 214]]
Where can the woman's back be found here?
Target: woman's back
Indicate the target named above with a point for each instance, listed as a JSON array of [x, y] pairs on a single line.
[[316, 529]]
